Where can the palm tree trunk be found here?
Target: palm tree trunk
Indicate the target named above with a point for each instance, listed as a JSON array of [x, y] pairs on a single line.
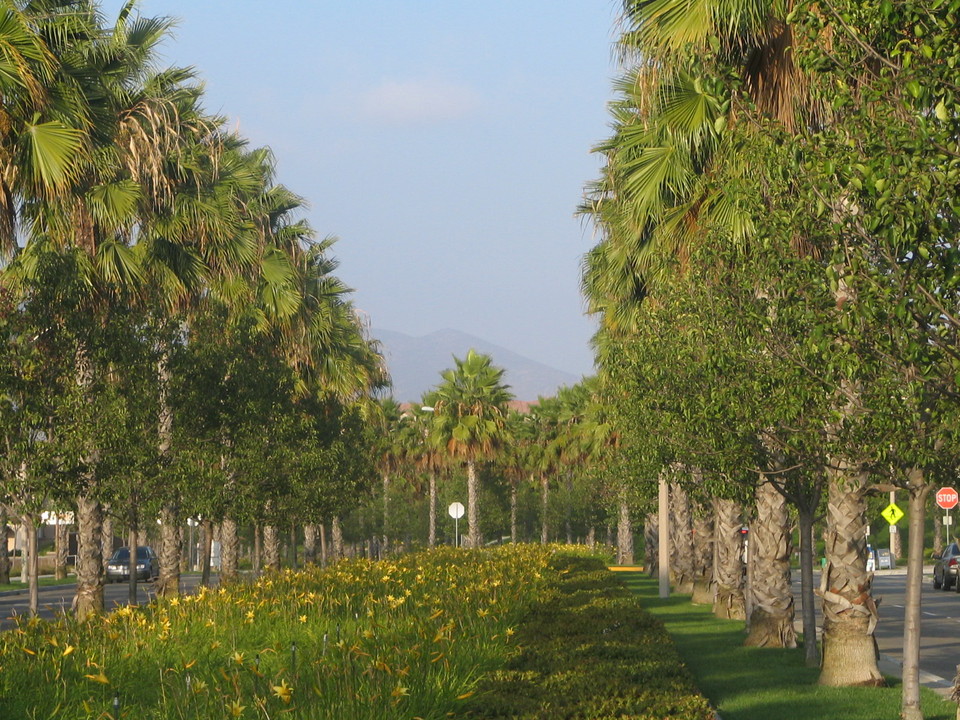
[[910, 698], [207, 525], [703, 556], [61, 542], [624, 532], [229, 549], [4, 548], [681, 541], [90, 574], [432, 532], [473, 523], [309, 544], [849, 611], [651, 539], [771, 614], [257, 561], [544, 508], [729, 568], [271, 547], [336, 538], [171, 548]]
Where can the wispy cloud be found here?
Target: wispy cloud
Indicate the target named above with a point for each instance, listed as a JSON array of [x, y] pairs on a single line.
[[419, 101]]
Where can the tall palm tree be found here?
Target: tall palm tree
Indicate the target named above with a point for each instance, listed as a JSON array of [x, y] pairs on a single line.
[[468, 421]]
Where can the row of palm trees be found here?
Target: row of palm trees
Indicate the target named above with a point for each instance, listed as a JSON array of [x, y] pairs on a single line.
[[775, 286], [172, 326], [468, 425]]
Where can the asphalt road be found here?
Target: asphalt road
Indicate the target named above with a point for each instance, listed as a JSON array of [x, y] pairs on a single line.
[[940, 626], [57, 598]]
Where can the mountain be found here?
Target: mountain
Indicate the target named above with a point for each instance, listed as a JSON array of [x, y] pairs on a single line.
[[415, 364]]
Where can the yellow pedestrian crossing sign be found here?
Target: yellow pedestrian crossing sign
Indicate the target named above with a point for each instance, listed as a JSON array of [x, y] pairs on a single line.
[[892, 514]]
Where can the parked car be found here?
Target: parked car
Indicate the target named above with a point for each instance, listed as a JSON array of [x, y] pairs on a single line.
[[945, 568], [148, 567]]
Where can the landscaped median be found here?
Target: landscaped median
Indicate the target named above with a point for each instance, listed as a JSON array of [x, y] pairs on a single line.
[[750, 683], [521, 631]]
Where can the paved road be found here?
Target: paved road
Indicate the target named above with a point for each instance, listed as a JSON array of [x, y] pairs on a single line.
[[940, 626], [57, 598]]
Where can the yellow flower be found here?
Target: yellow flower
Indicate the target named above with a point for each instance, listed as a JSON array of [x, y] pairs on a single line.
[[68, 649], [236, 709], [303, 618], [99, 677], [283, 691], [399, 691], [237, 657]]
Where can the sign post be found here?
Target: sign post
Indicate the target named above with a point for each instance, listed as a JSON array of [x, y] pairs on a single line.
[[947, 499], [456, 512]]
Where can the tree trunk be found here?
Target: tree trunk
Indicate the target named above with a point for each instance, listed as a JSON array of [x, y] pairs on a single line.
[[257, 549], [90, 574], [171, 549], [651, 543], [591, 537], [171, 535], [849, 611], [386, 512], [309, 544], [229, 550], [624, 532], [271, 547], [729, 568], [896, 544], [910, 698], [106, 539], [772, 613], [61, 545], [207, 526], [31, 559], [544, 509], [810, 648], [432, 532], [568, 526], [132, 542], [293, 546], [681, 541], [663, 537], [513, 512], [473, 520], [4, 548], [322, 531]]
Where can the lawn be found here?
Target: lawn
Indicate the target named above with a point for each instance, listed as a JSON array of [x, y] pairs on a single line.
[[762, 683]]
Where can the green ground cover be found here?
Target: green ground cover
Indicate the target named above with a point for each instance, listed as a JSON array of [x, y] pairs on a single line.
[[43, 582], [760, 683], [588, 650]]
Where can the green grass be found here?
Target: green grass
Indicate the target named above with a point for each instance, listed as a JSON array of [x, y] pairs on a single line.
[[44, 582], [762, 683]]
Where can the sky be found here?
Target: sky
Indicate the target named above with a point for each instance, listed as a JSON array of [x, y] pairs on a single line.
[[445, 143]]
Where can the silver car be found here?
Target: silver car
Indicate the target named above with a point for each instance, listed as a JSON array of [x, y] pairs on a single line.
[[118, 567], [945, 569]]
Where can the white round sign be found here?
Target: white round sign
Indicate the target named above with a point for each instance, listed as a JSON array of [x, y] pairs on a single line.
[[455, 510]]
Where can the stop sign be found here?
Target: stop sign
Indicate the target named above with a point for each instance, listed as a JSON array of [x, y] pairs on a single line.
[[947, 498]]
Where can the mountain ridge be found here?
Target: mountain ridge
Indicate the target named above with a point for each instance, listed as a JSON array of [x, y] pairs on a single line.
[[415, 363]]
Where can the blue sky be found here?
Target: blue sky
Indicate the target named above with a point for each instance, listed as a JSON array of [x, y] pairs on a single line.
[[445, 143]]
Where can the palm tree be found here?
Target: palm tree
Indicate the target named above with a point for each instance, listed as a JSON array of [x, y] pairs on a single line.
[[468, 421]]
